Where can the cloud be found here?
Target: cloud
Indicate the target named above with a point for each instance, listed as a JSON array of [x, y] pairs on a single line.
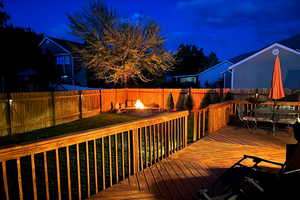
[[220, 13]]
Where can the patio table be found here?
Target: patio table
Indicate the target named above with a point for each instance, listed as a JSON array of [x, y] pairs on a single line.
[[280, 116]]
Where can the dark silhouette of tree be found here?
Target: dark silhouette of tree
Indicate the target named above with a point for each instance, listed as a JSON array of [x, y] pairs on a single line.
[[119, 51], [22, 59], [191, 60], [4, 17]]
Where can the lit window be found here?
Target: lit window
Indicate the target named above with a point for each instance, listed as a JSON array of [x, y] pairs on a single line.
[[59, 60], [67, 60]]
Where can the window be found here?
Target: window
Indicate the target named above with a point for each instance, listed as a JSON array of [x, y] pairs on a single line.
[[67, 60], [61, 60]]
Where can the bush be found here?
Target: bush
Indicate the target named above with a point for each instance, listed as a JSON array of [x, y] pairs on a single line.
[[206, 100], [188, 102], [228, 96], [170, 102]]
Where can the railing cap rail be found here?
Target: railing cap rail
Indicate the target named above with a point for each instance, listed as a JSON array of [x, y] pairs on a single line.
[[25, 149]]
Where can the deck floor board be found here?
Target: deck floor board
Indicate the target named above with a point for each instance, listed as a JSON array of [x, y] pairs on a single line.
[[196, 167]]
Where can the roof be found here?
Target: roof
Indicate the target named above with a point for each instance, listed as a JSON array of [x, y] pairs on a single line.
[[216, 66], [207, 70], [263, 50], [241, 57], [292, 43], [66, 45]]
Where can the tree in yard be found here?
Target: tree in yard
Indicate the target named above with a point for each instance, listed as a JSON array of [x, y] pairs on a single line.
[[191, 60], [119, 51]]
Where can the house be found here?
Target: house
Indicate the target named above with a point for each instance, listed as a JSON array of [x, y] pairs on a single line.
[[206, 77], [68, 68], [254, 69]]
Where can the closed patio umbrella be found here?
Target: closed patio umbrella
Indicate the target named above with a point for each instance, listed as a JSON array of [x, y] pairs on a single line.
[[276, 91]]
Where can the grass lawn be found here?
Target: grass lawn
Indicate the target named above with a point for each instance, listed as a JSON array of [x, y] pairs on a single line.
[[98, 121]]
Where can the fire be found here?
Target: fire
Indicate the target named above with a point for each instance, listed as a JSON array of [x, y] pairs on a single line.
[[139, 105]]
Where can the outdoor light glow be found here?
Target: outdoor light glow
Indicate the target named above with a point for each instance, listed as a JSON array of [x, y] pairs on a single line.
[[139, 105]]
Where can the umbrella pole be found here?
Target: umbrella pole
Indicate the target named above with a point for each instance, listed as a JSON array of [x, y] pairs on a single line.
[[273, 117]]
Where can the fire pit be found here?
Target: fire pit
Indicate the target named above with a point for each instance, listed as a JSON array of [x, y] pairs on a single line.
[[139, 109]]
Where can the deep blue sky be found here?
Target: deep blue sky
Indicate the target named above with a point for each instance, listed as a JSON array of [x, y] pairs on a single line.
[[228, 27]]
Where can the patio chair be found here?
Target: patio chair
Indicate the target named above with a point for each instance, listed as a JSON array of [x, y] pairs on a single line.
[[254, 182], [247, 121]]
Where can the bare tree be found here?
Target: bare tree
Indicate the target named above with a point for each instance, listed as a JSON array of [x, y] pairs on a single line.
[[119, 50]]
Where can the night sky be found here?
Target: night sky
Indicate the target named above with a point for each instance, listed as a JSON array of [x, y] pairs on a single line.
[[227, 27]]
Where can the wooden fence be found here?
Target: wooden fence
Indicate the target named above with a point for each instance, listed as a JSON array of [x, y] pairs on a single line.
[[23, 112], [79, 165]]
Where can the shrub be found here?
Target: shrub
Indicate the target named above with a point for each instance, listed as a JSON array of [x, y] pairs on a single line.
[[170, 102], [188, 102], [228, 96], [207, 99]]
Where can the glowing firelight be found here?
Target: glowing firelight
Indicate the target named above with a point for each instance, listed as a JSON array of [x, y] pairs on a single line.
[[139, 105]]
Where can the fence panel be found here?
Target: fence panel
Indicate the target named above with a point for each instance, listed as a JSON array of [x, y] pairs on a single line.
[[108, 99], [90, 100], [30, 111], [4, 115], [67, 106]]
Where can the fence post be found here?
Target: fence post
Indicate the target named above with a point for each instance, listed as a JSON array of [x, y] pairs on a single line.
[[195, 130], [135, 147], [100, 102], [53, 107], [9, 113], [80, 104], [185, 130]]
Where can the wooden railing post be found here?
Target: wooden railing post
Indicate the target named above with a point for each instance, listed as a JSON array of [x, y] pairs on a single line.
[[195, 129], [185, 130], [135, 147]]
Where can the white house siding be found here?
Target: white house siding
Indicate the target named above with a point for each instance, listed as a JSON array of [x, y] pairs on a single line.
[[213, 74], [257, 71]]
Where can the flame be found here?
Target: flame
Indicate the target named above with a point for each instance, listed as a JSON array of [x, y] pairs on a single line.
[[139, 105]]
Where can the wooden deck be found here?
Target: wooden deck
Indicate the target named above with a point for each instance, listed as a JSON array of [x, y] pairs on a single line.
[[184, 173]]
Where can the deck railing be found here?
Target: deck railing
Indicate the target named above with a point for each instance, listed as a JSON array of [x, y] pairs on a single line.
[[79, 165], [211, 119]]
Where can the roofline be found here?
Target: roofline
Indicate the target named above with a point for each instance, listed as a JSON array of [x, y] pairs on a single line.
[[211, 68], [215, 66], [180, 76], [47, 38], [262, 51]]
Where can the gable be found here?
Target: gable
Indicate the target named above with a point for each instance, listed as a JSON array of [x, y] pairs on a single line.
[[48, 45], [256, 72], [253, 56]]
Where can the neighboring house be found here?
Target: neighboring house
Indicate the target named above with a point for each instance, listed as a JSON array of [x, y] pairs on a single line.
[[68, 69], [208, 76], [254, 70]]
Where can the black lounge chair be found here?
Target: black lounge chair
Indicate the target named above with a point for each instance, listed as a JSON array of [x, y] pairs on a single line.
[[244, 182]]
